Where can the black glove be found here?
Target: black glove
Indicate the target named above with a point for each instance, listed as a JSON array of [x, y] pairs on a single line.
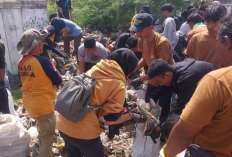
[[4, 107], [137, 118], [154, 135], [113, 130], [136, 83], [61, 38]]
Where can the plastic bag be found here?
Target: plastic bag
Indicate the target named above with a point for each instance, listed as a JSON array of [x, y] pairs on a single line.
[[14, 138], [11, 104]]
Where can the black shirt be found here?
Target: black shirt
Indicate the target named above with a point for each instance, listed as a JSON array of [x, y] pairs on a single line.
[[186, 75], [121, 41]]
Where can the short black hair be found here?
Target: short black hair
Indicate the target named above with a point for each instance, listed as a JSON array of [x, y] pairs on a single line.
[[189, 7], [215, 12], [89, 42], [225, 29], [167, 126], [195, 17], [185, 14], [181, 18], [158, 67], [192, 10], [167, 7], [132, 42]]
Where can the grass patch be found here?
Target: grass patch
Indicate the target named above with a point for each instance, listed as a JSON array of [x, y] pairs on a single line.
[[16, 93]]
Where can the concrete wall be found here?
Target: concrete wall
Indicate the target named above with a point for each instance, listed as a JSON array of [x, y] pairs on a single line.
[[15, 18]]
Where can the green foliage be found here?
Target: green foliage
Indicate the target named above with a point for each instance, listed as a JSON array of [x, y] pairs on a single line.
[[113, 12], [16, 93]]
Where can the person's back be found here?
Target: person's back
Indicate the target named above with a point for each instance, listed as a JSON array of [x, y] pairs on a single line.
[[215, 135], [37, 87], [75, 30], [121, 41], [183, 84], [38, 77]]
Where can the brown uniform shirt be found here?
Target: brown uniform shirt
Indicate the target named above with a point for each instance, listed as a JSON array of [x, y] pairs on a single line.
[[203, 47], [159, 48], [211, 108], [195, 31], [109, 89]]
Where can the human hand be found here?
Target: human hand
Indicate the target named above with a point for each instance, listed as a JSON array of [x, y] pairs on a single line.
[[136, 83], [137, 118]]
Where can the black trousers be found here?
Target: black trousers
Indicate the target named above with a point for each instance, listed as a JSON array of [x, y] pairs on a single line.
[[65, 13], [164, 99], [4, 106], [79, 148]]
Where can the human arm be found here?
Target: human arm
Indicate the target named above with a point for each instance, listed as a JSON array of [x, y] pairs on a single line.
[[2, 74], [121, 119], [2, 62], [190, 52], [81, 58], [66, 31], [208, 98], [81, 67], [142, 63], [183, 133], [50, 70]]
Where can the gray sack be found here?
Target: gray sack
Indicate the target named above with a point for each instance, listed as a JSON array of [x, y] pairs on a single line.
[[74, 100]]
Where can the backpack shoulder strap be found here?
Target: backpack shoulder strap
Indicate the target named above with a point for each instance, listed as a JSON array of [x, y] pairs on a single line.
[[93, 108]]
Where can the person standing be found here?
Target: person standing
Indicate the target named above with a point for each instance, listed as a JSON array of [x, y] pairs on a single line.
[[69, 31], [203, 46], [167, 12], [64, 8], [153, 46], [38, 77], [4, 107]]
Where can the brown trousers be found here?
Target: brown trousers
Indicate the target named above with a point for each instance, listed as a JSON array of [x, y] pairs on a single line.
[[46, 128], [77, 42]]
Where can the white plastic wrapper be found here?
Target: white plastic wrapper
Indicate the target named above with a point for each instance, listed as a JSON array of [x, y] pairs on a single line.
[[14, 138]]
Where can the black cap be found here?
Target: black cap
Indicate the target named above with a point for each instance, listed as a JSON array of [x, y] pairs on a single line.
[[52, 15], [142, 21], [89, 42]]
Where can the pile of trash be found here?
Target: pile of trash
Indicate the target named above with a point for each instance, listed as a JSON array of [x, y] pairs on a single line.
[[120, 145]]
